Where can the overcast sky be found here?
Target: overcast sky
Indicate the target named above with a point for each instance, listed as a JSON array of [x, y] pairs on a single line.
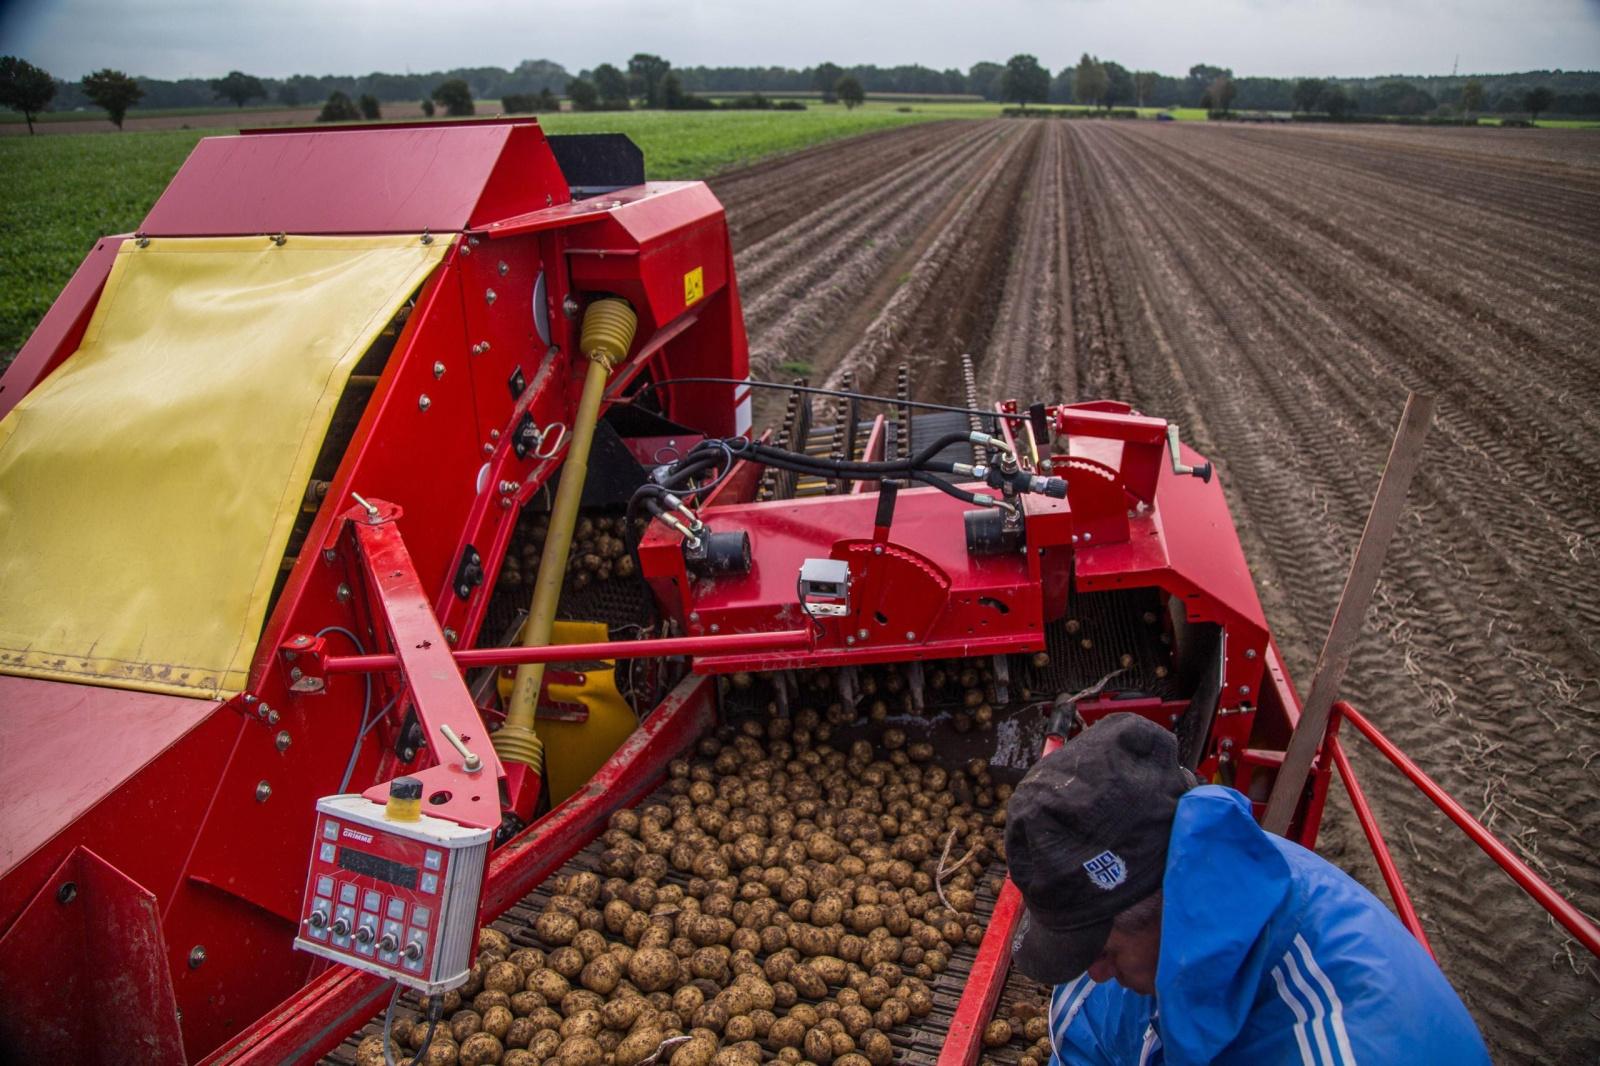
[[205, 38]]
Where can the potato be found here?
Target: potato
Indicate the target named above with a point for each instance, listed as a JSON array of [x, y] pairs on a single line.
[[519, 1057], [464, 1023], [481, 1049], [556, 927], [519, 1033], [602, 974], [494, 940], [579, 1051], [997, 1033], [653, 969]]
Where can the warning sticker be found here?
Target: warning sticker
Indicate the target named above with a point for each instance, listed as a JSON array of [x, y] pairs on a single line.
[[694, 286]]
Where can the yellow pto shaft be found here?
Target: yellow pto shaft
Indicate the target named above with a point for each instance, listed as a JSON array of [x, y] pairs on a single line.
[[608, 327]]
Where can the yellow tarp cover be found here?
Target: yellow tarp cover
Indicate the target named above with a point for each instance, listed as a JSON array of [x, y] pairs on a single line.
[[148, 486]]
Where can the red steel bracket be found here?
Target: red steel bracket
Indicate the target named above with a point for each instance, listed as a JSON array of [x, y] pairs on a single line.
[[464, 785]]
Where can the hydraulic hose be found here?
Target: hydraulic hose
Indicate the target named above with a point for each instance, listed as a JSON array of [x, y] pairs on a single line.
[[608, 327]]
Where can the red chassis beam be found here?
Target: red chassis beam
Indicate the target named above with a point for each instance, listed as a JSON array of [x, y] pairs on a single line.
[[318, 1017]]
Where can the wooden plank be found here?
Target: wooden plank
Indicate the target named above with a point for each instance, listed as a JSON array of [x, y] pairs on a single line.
[[1404, 457]]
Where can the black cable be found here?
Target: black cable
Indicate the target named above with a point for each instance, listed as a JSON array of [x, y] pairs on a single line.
[[650, 386], [435, 1012]]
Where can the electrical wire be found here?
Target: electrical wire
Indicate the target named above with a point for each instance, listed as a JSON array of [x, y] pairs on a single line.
[[435, 1012], [366, 700]]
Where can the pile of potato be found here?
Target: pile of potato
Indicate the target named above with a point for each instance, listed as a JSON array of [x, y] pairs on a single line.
[[1025, 1021], [782, 900], [598, 551]]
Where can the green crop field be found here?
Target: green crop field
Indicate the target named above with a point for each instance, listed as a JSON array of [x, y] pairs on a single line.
[[65, 190]]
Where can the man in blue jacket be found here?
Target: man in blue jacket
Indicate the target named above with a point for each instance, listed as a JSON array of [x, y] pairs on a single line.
[[1176, 930]]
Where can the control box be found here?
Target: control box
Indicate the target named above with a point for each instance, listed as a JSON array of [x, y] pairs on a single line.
[[395, 897]]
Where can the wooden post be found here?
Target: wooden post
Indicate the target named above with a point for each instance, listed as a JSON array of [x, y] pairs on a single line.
[[1404, 456]]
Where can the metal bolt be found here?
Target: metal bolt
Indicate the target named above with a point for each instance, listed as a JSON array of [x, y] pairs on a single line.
[[67, 892], [877, 549], [861, 634], [848, 639], [249, 697], [1249, 653], [494, 434], [427, 238], [910, 635], [1087, 537], [480, 347], [450, 635], [407, 754], [280, 239], [1074, 538], [295, 673], [488, 449], [329, 555], [342, 593], [488, 296], [694, 616], [438, 370], [466, 249], [423, 403], [197, 955], [569, 307], [715, 628], [1244, 690], [282, 740], [503, 268], [263, 710], [301, 641], [508, 486], [272, 717], [263, 792], [505, 501]]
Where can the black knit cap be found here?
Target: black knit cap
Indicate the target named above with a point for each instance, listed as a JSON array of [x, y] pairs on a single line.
[[1086, 838]]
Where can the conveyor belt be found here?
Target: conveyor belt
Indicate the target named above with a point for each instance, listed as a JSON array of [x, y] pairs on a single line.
[[917, 1042]]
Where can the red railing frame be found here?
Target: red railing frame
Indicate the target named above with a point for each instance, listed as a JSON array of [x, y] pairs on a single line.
[[1556, 905]]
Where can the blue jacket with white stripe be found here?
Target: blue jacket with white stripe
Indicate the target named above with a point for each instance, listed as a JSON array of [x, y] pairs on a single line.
[[1269, 954]]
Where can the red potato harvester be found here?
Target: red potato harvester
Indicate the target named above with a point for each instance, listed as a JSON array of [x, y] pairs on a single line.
[[293, 478]]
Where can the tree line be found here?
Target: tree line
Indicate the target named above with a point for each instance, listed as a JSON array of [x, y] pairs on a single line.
[[651, 81]]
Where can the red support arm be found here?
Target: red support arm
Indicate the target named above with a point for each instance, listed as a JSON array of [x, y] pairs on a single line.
[[462, 789], [1586, 932], [1380, 847], [729, 644]]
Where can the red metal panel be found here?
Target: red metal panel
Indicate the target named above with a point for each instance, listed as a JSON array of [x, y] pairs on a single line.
[[318, 1017], [84, 971], [387, 180], [104, 735], [61, 330]]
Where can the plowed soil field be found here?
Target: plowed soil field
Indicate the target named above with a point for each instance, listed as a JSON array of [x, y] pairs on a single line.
[[1277, 291]]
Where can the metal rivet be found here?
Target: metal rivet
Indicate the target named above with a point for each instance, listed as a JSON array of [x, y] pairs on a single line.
[[1244, 690], [67, 892], [494, 434], [283, 740], [197, 955], [343, 593], [910, 635], [694, 616], [272, 717], [280, 239], [301, 641], [329, 555], [715, 628], [438, 370], [488, 296], [263, 792], [861, 634], [264, 710], [503, 268], [450, 634], [877, 549], [1088, 537], [427, 238], [505, 501], [423, 403], [488, 449], [1249, 653], [848, 639]]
